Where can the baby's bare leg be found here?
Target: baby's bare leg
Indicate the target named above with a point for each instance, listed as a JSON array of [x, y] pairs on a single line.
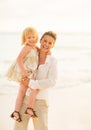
[[31, 103], [32, 98], [20, 97], [19, 100]]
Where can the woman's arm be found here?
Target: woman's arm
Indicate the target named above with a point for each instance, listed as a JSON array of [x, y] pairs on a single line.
[[46, 83]]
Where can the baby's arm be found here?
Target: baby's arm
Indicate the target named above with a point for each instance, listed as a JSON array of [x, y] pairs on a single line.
[[20, 58]]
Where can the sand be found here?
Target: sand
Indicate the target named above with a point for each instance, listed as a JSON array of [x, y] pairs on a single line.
[[70, 109]]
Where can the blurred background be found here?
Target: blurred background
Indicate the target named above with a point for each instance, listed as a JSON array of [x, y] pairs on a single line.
[[70, 19]]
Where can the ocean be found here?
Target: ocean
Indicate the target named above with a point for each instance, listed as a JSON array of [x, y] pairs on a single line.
[[72, 50]]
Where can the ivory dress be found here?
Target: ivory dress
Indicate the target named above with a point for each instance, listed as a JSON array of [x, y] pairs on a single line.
[[30, 63]]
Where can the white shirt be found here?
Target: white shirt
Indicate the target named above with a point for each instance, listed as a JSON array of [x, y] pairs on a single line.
[[46, 77]]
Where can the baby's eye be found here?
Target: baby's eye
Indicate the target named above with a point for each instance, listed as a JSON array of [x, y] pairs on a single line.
[[28, 37], [45, 41]]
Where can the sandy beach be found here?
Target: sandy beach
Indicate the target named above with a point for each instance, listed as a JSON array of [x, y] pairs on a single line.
[[70, 109]]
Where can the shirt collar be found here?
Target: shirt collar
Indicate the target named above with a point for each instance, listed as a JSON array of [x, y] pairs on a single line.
[[48, 59]]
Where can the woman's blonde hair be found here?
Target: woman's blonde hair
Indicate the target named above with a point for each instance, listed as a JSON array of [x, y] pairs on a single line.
[[28, 31]]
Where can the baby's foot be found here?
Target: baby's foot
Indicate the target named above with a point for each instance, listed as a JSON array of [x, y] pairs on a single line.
[[16, 116], [31, 112]]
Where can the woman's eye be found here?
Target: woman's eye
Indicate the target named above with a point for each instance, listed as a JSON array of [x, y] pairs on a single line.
[[50, 43]]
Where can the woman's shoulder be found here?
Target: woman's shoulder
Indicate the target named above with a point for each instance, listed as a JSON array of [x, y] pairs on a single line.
[[52, 58]]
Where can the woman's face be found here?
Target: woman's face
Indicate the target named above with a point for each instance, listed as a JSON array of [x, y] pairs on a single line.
[[46, 43]]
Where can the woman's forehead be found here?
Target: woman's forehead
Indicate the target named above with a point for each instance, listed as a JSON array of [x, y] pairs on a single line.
[[48, 38]]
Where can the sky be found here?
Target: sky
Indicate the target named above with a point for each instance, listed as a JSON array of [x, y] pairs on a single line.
[[58, 15]]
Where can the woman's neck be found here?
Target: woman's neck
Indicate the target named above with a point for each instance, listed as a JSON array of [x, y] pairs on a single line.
[[42, 57]]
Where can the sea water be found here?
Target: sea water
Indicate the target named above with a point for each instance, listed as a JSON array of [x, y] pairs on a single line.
[[73, 53]]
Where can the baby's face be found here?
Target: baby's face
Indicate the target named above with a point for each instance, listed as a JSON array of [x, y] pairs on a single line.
[[31, 39]]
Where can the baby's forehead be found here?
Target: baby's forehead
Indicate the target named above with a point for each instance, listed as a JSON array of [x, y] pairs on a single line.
[[30, 34]]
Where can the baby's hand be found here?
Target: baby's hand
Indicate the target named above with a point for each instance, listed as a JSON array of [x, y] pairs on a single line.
[[25, 81], [26, 74]]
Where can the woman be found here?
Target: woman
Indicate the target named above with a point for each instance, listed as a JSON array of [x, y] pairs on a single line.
[[46, 77]]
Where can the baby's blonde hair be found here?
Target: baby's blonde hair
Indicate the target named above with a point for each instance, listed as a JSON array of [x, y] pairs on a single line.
[[28, 31]]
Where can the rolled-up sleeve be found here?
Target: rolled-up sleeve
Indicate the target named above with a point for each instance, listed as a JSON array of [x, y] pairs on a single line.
[[51, 79]]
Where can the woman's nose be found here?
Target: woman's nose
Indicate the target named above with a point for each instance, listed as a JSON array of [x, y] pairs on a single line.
[[46, 43]]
